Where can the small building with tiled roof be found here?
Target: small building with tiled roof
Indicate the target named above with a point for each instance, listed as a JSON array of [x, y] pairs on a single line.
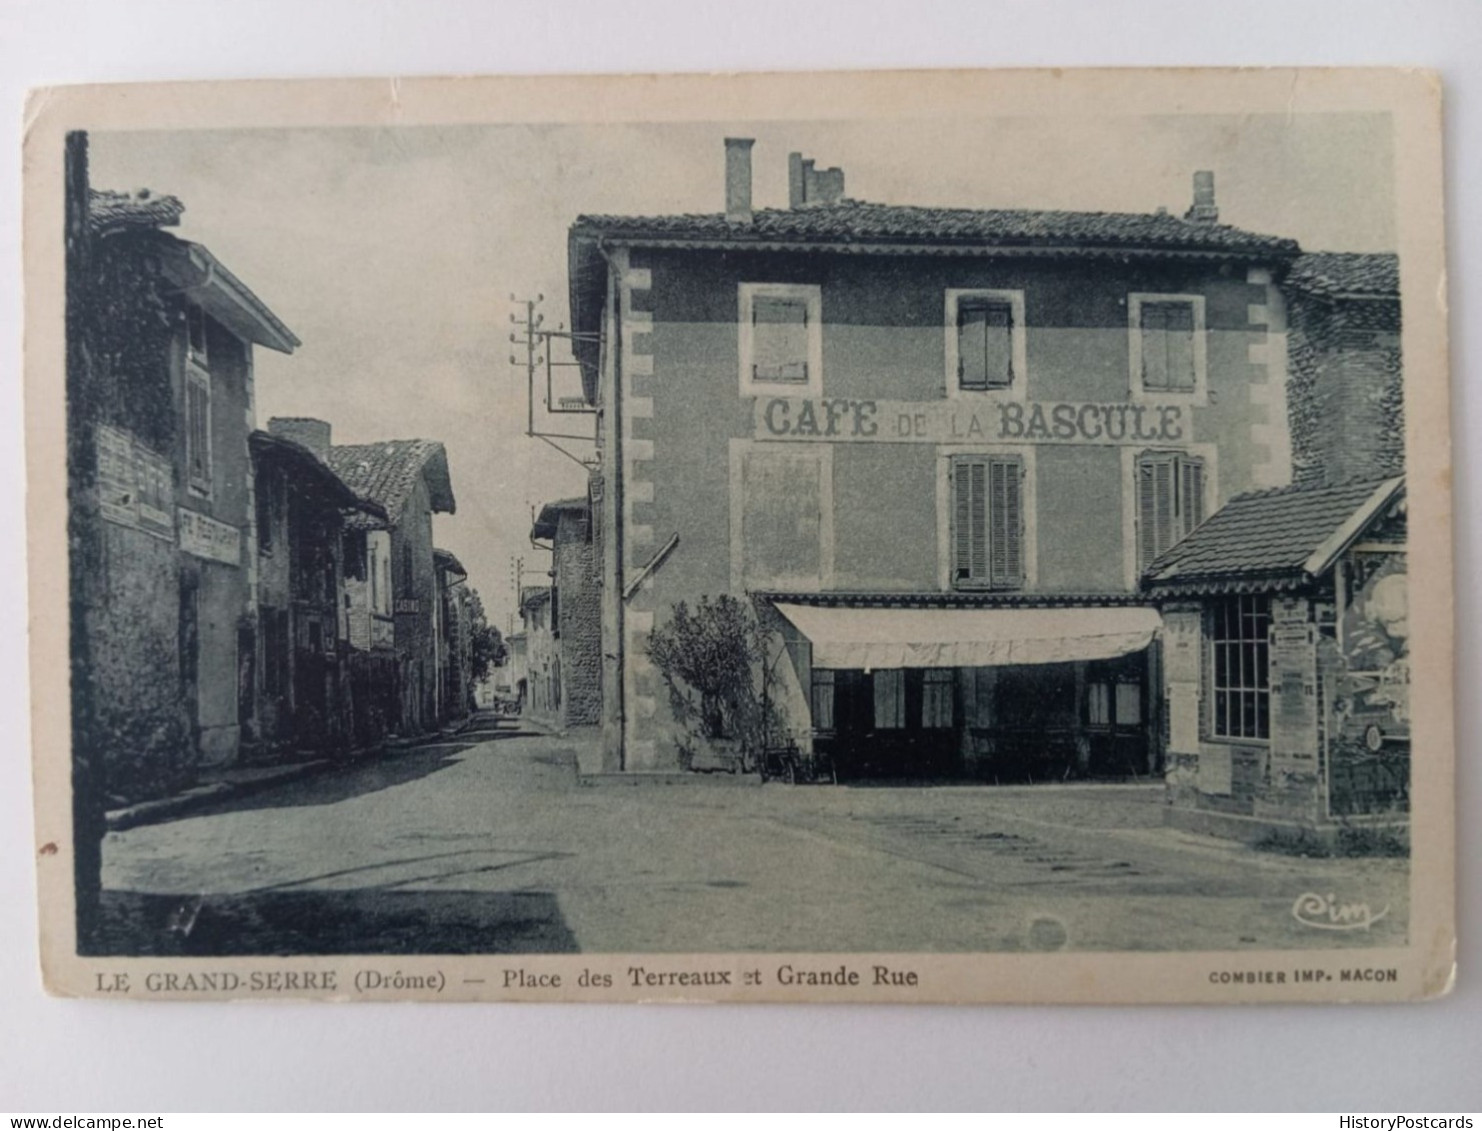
[[877, 421], [306, 700], [390, 471], [1284, 538], [1286, 664], [393, 583], [575, 612]]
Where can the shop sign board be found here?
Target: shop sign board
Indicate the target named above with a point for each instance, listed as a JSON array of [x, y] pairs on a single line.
[[1293, 675], [957, 421], [136, 486], [206, 538]]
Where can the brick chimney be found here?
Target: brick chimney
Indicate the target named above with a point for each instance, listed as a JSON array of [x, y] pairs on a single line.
[[738, 179], [1203, 210], [311, 433], [807, 184]]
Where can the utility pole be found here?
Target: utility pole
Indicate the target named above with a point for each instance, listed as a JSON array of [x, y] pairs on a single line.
[[533, 353], [526, 332]]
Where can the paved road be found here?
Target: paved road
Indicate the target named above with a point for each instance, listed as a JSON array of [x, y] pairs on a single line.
[[489, 845]]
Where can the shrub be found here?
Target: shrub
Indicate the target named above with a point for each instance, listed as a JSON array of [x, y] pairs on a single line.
[[713, 662]]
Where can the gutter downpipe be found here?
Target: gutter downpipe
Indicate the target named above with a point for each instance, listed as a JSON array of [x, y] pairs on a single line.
[[615, 431]]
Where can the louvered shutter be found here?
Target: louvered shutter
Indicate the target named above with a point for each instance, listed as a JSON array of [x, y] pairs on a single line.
[[1006, 514], [1147, 511], [1155, 507], [1170, 502], [987, 522], [1191, 472], [1163, 502], [969, 526]]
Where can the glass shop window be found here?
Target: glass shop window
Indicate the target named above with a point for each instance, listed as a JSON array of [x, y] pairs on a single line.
[[1240, 665]]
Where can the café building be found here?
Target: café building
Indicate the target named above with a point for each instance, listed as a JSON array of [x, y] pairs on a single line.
[[935, 448]]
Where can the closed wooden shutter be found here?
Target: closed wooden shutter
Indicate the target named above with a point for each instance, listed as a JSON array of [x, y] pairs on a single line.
[[197, 431], [1179, 339], [985, 334], [1167, 330], [779, 340], [988, 522]]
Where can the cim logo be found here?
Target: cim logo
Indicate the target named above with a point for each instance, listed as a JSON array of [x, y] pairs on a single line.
[[1326, 914]]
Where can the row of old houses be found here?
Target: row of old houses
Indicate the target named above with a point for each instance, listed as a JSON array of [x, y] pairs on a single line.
[[1016, 495], [239, 594]]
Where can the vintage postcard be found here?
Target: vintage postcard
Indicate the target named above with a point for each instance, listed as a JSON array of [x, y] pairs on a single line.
[[951, 537]]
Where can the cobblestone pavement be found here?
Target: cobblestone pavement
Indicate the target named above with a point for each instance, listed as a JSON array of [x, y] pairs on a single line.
[[489, 844]]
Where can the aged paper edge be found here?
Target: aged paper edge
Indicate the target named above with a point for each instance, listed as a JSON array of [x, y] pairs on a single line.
[[1425, 968]]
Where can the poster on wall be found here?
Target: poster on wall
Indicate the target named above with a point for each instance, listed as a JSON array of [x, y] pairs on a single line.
[[1375, 635]]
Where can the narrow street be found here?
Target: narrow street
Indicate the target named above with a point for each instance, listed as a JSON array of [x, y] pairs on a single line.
[[490, 844]]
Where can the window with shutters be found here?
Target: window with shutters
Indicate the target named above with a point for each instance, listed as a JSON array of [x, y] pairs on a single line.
[[1167, 345], [987, 515], [985, 341], [781, 339], [1170, 502], [1240, 667], [195, 336], [198, 430]]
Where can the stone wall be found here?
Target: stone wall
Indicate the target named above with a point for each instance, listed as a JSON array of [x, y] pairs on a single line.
[[580, 614], [1345, 395], [156, 691]]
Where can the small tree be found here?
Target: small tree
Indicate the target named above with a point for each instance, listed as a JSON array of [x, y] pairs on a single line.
[[485, 641], [713, 661]]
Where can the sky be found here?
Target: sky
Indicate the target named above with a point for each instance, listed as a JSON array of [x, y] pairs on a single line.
[[392, 253]]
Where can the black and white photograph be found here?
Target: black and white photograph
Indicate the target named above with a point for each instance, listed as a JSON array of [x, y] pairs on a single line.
[[571, 540]]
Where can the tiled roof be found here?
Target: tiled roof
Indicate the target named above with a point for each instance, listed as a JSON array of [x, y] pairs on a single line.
[[1264, 533], [387, 472], [109, 210], [549, 519], [1335, 273], [310, 467], [449, 561], [856, 222]]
